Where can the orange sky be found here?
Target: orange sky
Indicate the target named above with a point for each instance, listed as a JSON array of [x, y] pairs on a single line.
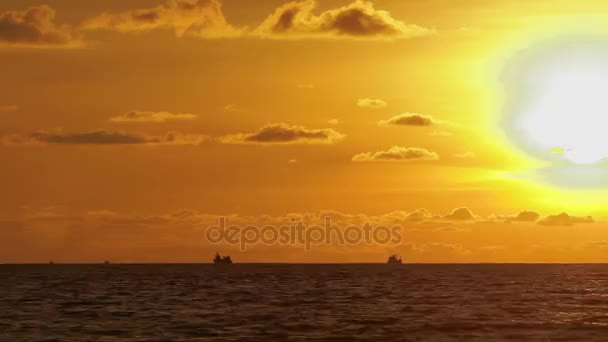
[[115, 115]]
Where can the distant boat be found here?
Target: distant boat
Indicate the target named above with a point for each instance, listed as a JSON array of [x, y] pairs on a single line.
[[222, 259], [51, 263], [106, 262], [394, 259]]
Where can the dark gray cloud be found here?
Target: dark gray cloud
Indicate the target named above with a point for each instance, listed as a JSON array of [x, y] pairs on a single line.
[[198, 18], [523, 216], [460, 214], [371, 103], [90, 138], [102, 138], [409, 119], [419, 215], [156, 117], [564, 219], [34, 26], [282, 133], [526, 216]]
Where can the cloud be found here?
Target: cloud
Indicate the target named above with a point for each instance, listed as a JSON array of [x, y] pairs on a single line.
[[465, 155], [410, 119], [333, 121], [397, 153], [419, 214], [34, 27], [358, 20], [564, 219], [158, 117], [282, 133], [371, 103], [460, 214], [102, 138], [421, 218], [166, 235], [18, 140], [230, 108], [523, 216], [197, 18], [526, 216], [8, 108]]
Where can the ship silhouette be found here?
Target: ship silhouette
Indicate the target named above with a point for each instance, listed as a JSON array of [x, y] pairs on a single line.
[[394, 259], [222, 259]]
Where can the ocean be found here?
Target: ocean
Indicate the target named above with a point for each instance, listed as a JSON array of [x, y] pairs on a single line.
[[484, 302]]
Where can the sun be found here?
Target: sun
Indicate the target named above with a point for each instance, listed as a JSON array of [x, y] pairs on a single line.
[[569, 113], [557, 101]]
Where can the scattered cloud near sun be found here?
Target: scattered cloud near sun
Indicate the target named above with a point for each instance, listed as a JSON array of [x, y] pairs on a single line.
[[102, 138], [414, 119], [197, 18], [358, 20], [564, 219], [460, 214], [465, 155], [526, 216], [157, 117], [34, 27], [282, 133], [523, 216], [371, 103], [397, 153]]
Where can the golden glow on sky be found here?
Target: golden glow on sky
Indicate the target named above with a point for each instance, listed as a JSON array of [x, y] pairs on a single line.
[[127, 125]]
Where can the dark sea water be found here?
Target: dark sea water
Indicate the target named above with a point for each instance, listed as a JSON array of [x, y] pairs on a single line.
[[274, 302]]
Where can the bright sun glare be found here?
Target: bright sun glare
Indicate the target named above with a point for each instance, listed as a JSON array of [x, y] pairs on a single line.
[[557, 102]]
